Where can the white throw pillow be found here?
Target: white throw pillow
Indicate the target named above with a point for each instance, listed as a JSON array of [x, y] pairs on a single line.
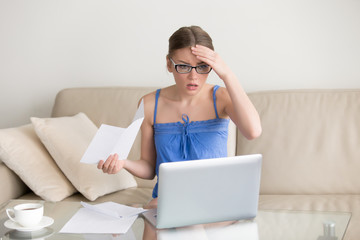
[[22, 151], [67, 138]]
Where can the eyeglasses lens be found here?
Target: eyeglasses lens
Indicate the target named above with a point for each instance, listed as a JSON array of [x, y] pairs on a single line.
[[183, 68], [201, 69]]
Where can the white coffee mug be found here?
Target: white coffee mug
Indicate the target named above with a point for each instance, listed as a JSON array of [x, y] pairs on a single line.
[[27, 214]]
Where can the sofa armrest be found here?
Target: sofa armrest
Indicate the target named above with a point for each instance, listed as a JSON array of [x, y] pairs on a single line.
[[11, 185]]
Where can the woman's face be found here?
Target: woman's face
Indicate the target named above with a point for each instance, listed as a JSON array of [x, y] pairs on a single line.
[[188, 83]]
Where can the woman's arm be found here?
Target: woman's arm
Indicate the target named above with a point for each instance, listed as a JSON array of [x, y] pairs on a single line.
[[237, 104], [240, 109]]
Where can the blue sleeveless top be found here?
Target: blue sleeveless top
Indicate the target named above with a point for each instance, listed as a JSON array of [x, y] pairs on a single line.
[[189, 140]]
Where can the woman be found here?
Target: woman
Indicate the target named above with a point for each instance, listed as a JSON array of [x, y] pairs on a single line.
[[189, 120]]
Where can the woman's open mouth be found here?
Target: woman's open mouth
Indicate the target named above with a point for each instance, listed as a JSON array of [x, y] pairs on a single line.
[[192, 86]]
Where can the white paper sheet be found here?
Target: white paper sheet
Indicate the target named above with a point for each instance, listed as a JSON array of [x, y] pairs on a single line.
[[114, 209], [110, 139], [94, 219]]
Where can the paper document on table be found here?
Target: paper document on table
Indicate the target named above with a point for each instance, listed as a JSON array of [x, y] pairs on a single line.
[[114, 209], [110, 139], [95, 219]]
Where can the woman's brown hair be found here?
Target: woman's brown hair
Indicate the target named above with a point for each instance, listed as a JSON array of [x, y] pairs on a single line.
[[189, 37]]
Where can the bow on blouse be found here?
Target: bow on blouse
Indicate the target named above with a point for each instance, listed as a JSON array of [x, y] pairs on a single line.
[[185, 135]]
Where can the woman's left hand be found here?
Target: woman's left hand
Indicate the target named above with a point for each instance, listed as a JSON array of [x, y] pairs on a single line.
[[213, 59]]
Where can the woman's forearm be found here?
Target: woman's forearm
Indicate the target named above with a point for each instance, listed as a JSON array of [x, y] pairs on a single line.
[[245, 116], [140, 168]]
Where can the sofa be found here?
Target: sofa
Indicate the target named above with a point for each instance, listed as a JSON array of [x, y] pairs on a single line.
[[310, 145]]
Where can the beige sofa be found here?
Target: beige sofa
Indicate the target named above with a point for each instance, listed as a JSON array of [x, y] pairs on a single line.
[[310, 145]]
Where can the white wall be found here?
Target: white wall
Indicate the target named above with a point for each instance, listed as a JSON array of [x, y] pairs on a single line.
[[48, 45]]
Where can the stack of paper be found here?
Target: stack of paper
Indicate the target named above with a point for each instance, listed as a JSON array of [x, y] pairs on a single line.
[[108, 217]]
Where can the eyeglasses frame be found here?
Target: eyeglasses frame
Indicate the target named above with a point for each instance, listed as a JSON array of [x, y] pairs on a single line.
[[192, 67]]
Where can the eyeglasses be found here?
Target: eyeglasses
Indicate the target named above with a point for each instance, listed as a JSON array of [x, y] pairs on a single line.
[[184, 68]]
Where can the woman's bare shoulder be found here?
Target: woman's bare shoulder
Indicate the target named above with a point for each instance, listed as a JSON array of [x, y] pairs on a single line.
[[149, 100], [149, 105], [149, 97], [222, 93]]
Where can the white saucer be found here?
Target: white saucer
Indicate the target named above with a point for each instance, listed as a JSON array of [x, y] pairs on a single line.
[[45, 222], [36, 235]]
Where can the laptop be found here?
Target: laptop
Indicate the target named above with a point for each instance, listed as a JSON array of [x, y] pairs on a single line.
[[206, 191]]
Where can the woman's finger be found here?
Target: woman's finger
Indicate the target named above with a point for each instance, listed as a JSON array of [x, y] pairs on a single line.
[[107, 163], [112, 165], [100, 164], [203, 52]]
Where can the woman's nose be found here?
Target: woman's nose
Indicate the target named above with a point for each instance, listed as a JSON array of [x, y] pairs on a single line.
[[193, 73]]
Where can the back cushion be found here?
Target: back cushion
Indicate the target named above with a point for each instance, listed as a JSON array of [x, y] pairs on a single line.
[[310, 141], [114, 106]]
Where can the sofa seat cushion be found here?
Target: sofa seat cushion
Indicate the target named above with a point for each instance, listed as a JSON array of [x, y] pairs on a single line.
[[336, 203]]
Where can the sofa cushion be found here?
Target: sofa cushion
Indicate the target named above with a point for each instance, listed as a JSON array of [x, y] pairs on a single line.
[[114, 106], [22, 151], [310, 141], [67, 138]]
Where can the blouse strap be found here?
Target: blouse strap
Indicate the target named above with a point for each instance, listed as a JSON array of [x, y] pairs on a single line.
[[216, 87], [156, 103]]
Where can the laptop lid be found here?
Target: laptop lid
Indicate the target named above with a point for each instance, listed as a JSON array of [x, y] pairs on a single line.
[[209, 190]]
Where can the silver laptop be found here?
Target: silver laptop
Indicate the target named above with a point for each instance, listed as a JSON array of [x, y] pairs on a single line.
[[205, 191]]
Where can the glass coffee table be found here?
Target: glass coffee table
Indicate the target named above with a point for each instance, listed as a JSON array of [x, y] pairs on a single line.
[[269, 224]]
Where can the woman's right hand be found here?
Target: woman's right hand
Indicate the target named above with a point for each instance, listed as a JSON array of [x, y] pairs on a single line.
[[112, 164]]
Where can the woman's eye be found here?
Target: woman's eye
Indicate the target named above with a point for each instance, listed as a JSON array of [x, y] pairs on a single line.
[[183, 67], [203, 67]]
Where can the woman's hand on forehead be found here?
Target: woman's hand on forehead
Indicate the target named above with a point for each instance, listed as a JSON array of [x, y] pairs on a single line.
[[211, 58]]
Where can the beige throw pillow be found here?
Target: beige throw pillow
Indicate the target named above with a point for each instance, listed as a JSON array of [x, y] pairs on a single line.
[[22, 151], [67, 138]]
